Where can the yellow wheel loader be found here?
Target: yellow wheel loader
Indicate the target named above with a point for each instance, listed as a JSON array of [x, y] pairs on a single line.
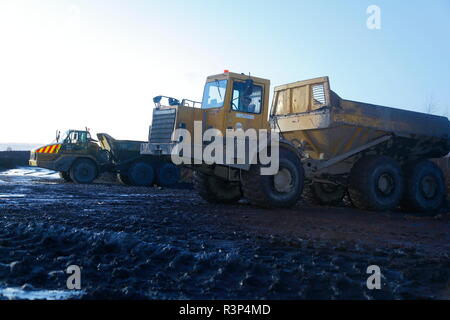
[[81, 159], [328, 146]]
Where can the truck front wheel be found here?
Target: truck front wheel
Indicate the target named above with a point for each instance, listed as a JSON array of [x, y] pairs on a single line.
[[376, 183], [141, 174], [83, 171], [425, 187], [215, 190], [282, 190]]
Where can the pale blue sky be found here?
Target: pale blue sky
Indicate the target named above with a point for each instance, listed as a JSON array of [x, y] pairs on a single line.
[[99, 63]]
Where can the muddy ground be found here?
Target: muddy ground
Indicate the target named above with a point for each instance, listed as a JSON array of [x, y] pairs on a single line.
[[152, 243]]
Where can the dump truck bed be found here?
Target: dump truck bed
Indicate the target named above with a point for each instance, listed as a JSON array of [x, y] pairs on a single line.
[[121, 150], [310, 113]]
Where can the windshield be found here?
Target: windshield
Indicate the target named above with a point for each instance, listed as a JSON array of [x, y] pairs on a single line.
[[64, 136], [74, 137], [214, 94]]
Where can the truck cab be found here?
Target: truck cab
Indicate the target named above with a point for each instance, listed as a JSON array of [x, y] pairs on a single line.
[[233, 100], [76, 140], [230, 101]]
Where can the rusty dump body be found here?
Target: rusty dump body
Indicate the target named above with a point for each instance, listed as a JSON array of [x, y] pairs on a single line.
[[326, 127]]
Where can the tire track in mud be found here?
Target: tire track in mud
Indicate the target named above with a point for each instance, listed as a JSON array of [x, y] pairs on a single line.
[[168, 244]]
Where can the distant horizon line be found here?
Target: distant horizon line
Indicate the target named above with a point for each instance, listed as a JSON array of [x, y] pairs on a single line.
[[18, 143], [19, 146]]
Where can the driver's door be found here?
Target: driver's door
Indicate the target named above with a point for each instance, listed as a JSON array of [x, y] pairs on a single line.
[[246, 108]]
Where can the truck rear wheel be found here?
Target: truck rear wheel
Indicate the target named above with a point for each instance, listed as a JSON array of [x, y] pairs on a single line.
[[141, 174], [324, 194], [376, 183], [215, 190], [83, 171], [65, 176], [282, 190], [424, 188], [168, 175]]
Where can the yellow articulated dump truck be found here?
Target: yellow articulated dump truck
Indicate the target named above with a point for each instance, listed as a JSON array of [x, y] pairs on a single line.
[[328, 146], [81, 159]]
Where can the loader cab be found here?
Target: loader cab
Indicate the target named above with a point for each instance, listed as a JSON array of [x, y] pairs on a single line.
[[233, 101]]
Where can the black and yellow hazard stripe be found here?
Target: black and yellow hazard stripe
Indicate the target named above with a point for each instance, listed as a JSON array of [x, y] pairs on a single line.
[[49, 149]]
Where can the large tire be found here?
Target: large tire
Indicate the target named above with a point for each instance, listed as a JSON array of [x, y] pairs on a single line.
[[65, 176], [123, 179], [282, 190], [376, 183], [324, 194], [215, 190], [424, 187], [168, 175], [141, 174], [83, 171]]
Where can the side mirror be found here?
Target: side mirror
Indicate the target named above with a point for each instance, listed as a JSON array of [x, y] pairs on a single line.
[[58, 135], [174, 102], [157, 99]]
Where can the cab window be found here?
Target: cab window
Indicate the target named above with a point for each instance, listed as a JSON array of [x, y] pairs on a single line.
[[243, 101], [214, 94], [75, 137]]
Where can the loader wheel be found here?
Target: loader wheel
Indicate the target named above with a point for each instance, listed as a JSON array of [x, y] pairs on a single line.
[[424, 187], [141, 174], [215, 190], [123, 179], [324, 194], [83, 171], [376, 183], [168, 175], [281, 190], [65, 176]]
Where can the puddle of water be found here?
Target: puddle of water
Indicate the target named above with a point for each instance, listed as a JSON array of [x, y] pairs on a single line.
[[11, 195], [31, 172], [20, 294]]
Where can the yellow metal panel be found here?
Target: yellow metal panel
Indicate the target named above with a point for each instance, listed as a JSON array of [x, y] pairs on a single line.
[[297, 97], [300, 99]]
